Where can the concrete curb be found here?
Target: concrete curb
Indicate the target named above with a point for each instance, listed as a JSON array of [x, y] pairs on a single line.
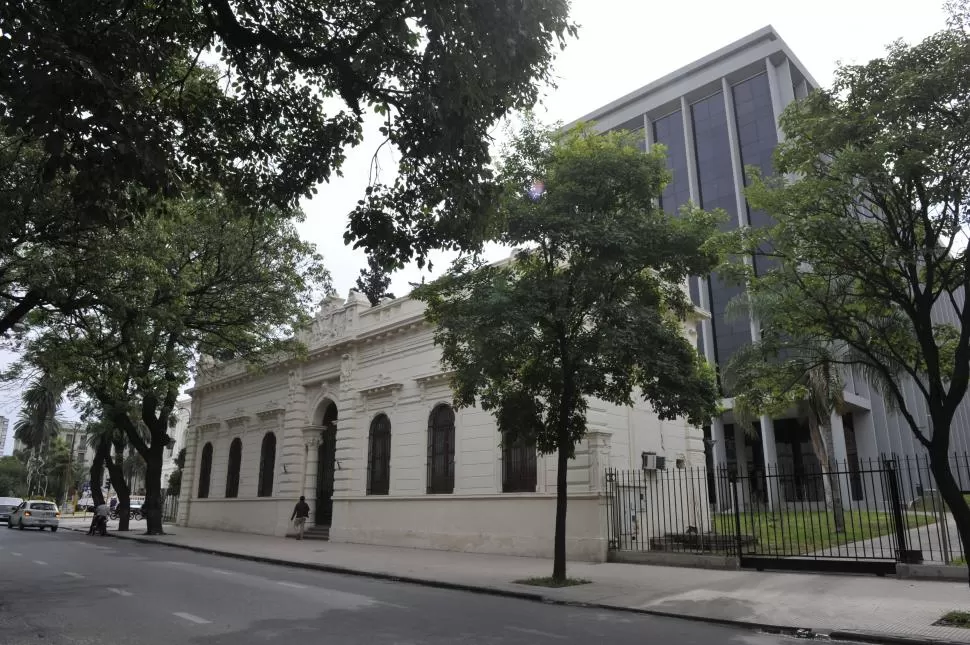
[[844, 635]]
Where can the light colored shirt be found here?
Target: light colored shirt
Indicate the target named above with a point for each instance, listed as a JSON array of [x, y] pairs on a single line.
[[102, 509]]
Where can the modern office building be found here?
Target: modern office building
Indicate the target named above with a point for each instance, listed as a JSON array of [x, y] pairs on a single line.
[[717, 116]]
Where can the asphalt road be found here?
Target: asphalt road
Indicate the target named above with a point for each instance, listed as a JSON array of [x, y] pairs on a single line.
[[69, 588]]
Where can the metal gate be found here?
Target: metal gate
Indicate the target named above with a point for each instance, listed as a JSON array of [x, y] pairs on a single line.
[[846, 520], [851, 519]]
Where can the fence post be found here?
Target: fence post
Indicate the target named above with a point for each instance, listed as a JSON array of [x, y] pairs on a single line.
[[894, 497], [733, 480]]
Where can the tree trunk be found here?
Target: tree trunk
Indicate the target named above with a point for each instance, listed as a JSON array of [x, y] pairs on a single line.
[[821, 435], [152, 507], [120, 486], [97, 476], [833, 491], [952, 495], [559, 555]]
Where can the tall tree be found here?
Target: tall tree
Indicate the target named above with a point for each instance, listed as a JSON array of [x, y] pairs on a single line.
[[209, 277], [594, 307], [120, 109], [870, 204], [13, 477], [38, 422], [374, 281]]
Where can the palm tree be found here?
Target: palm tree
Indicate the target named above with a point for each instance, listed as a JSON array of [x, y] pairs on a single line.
[[780, 372], [38, 421], [804, 376], [37, 424]]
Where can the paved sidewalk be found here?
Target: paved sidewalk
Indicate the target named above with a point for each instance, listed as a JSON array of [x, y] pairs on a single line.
[[886, 608]]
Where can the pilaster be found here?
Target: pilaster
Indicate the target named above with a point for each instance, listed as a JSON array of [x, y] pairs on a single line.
[[292, 445]]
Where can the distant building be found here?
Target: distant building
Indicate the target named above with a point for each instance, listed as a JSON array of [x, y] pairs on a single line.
[[4, 427], [75, 435], [182, 410]]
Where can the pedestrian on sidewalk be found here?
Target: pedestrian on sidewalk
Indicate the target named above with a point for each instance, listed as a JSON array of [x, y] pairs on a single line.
[[300, 513]]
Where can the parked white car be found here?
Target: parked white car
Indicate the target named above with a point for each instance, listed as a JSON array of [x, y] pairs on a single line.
[[7, 506], [35, 514]]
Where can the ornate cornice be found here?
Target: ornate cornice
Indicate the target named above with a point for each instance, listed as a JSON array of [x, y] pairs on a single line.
[[380, 388]]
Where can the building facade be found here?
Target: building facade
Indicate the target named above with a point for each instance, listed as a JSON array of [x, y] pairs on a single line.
[[365, 430], [177, 433], [4, 428], [716, 117]]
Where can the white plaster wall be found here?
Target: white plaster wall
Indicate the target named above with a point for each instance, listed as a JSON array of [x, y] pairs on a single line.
[[263, 515], [518, 524]]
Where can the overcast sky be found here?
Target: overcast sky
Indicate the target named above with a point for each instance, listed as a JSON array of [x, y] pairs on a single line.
[[623, 45]]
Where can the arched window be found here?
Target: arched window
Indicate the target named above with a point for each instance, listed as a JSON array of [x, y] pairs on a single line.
[[518, 466], [235, 462], [205, 471], [267, 464], [441, 450], [379, 456]]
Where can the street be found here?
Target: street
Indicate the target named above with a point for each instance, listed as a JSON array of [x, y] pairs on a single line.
[[67, 587]]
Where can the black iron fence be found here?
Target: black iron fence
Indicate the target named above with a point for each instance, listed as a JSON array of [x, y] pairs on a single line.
[[170, 509], [862, 515]]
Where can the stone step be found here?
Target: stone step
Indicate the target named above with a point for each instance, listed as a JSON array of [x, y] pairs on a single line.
[[316, 533]]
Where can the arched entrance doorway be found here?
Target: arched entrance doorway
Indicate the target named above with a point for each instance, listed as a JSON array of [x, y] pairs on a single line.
[[326, 460]]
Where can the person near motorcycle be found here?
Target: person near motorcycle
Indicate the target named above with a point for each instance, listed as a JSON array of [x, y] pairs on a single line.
[[100, 520]]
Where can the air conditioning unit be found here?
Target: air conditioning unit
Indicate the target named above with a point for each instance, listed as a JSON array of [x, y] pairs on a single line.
[[649, 460]]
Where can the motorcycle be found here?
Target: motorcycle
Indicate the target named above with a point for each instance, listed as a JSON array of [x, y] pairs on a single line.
[[99, 526]]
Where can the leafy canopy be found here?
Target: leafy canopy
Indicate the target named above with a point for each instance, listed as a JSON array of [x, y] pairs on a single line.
[[594, 306], [208, 277], [263, 98]]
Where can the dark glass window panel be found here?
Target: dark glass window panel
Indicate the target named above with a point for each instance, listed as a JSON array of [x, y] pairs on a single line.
[[205, 471], [715, 178], [441, 450], [518, 467], [267, 465], [669, 131], [757, 140], [235, 463], [379, 456]]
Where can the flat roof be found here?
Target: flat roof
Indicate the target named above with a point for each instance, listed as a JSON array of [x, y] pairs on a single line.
[[765, 36]]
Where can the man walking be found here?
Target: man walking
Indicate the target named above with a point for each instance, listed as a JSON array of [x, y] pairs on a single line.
[[300, 513]]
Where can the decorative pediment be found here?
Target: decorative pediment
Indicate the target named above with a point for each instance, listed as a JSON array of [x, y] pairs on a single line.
[[271, 412], [428, 381], [211, 426], [435, 378], [239, 420]]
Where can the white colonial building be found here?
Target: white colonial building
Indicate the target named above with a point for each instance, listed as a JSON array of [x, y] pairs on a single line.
[[363, 427]]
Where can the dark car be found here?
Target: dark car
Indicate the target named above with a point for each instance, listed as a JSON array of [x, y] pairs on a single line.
[[7, 506]]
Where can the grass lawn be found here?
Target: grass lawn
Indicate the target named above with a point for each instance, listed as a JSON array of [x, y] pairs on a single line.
[[955, 619], [804, 532]]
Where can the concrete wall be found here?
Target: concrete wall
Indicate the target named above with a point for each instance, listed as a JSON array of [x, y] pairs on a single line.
[[519, 524]]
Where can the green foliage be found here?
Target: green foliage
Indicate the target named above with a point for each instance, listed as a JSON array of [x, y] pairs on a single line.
[[593, 307], [208, 277], [117, 109], [174, 482], [13, 477], [374, 281], [38, 423], [180, 459]]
